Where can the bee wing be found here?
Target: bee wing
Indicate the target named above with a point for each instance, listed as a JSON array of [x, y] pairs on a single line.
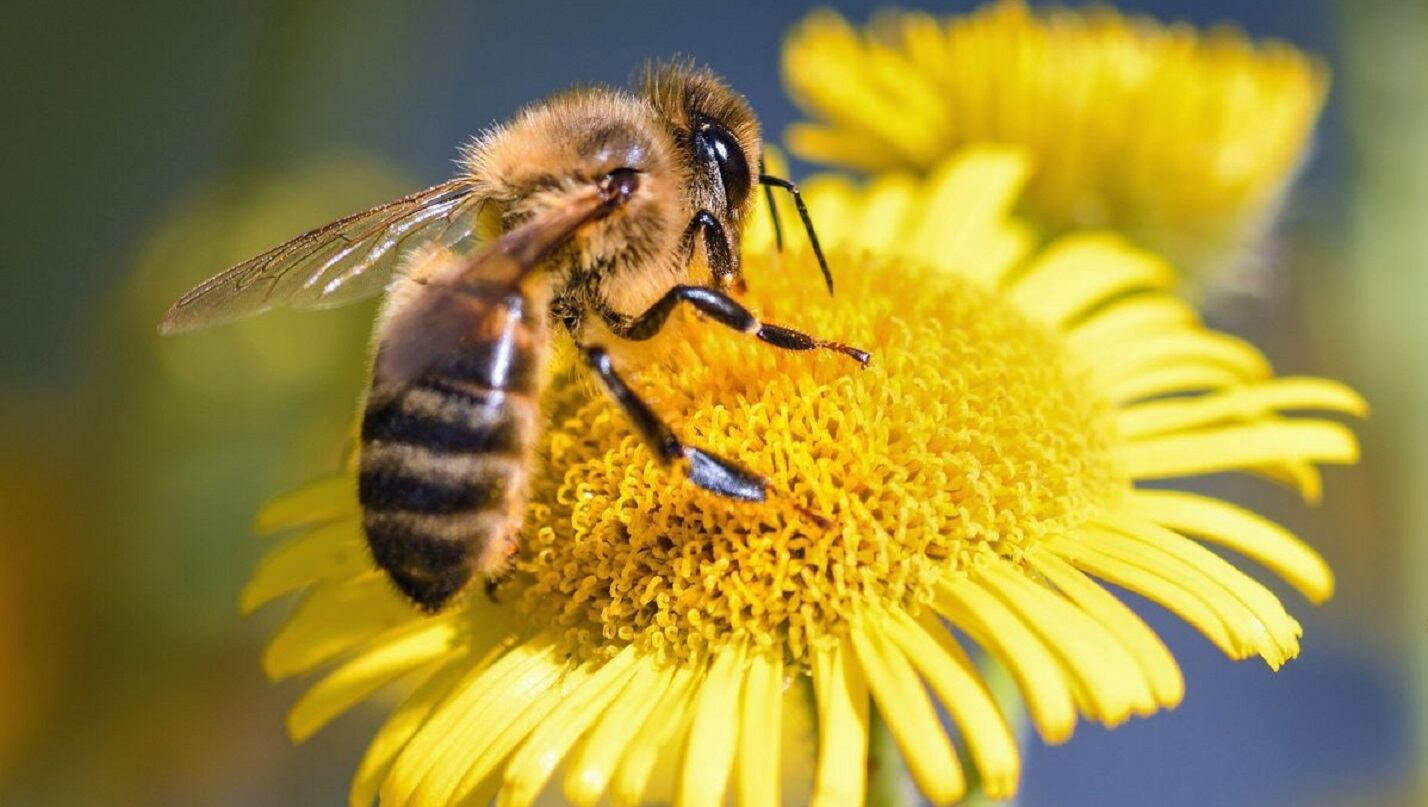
[[338, 263], [477, 298]]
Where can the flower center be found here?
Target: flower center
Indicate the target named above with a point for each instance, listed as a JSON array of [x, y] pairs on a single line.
[[971, 433]]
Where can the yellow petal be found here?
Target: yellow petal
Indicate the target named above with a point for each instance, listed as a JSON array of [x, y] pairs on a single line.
[[759, 731], [393, 736], [1134, 317], [882, 218], [714, 727], [1186, 348], [333, 550], [1248, 635], [1150, 584], [669, 722], [331, 619], [381, 663], [833, 204], [593, 763], [962, 221], [481, 755], [1240, 403], [587, 690], [842, 695], [829, 144], [1130, 630], [318, 501], [1188, 377], [489, 698], [1108, 676], [997, 628], [1244, 531], [904, 705], [954, 679], [1276, 633], [1234, 447], [1302, 477], [866, 86], [1077, 271], [1246, 631]]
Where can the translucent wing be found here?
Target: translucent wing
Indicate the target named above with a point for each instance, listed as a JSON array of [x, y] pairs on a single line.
[[455, 307], [339, 263]]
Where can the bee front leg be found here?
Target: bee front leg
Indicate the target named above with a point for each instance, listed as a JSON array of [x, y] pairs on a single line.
[[727, 311], [708, 471], [723, 260]]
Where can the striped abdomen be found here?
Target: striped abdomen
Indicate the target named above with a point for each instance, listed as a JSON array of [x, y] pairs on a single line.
[[445, 458]]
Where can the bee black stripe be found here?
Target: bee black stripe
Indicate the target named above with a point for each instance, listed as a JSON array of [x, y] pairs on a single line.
[[398, 489], [499, 434], [426, 567], [498, 364]]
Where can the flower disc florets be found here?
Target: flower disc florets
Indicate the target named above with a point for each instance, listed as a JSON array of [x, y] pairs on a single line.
[[968, 434]]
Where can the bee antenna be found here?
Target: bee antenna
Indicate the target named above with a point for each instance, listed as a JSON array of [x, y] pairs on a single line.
[[769, 181], [773, 209]]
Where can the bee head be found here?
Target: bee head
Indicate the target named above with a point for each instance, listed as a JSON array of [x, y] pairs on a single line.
[[716, 132]]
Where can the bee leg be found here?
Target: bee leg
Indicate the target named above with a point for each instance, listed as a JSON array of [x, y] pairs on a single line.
[[727, 311], [708, 471], [723, 261]]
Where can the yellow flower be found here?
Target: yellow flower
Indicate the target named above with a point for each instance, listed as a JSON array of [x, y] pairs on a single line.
[[981, 474], [1183, 141]]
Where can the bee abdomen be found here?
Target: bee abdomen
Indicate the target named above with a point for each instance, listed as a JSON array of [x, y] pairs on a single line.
[[442, 482], [448, 416], [430, 558], [417, 486]]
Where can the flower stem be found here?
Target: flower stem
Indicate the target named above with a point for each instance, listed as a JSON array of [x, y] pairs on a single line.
[[1004, 691]]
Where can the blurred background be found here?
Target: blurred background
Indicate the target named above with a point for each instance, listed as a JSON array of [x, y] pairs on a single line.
[[146, 149]]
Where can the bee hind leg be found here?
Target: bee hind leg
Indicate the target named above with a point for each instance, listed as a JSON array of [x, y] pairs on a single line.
[[709, 471]]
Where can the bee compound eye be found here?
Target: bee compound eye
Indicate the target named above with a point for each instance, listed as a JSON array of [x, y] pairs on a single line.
[[713, 143]]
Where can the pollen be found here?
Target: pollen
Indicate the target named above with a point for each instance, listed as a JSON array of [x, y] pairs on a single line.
[[969, 437]]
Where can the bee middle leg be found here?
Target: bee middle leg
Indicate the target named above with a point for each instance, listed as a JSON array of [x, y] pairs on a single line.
[[709, 471], [729, 312]]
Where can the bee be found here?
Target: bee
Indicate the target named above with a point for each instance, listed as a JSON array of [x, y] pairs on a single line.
[[582, 216]]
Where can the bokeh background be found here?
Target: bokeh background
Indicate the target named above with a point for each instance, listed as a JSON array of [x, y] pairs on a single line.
[[147, 145]]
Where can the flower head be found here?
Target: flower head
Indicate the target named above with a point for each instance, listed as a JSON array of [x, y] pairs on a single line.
[[1183, 141], [980, 477]]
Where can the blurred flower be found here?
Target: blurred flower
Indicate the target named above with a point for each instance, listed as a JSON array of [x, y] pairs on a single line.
[[41, 545], [267, 389], [981, 473], [1183, 141]]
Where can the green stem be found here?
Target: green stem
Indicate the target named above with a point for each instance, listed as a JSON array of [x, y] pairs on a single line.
[[1004, 691]]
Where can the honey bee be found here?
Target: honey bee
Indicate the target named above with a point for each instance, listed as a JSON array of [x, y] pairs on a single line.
[[583, 216]]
